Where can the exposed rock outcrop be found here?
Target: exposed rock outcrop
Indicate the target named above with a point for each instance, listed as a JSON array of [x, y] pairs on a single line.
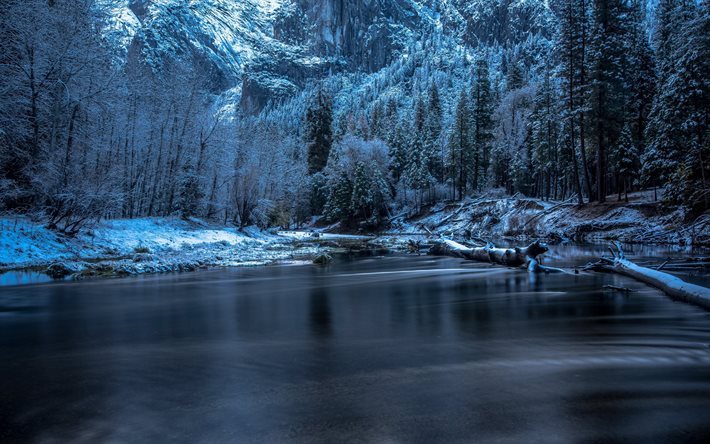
[[272, 48]]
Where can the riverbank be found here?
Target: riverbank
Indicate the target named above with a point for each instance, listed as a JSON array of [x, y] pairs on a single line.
[[642, 220], [148, 245], [161, 245]]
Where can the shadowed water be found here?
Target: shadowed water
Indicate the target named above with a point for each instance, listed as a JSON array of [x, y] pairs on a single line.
[[391, 349]]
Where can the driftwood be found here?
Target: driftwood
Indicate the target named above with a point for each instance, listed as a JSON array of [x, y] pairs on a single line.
[[660, 267], [510, 257], [464, 204], [617, 288], [551, 210], [671, 285]]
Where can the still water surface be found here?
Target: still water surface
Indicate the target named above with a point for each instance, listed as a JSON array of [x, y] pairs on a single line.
[[380, 349]]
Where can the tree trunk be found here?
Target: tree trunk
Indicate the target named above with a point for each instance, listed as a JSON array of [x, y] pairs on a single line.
[[601, 168], [70, 144], [583, 156], [582, 135], [509, 257], [671, 285]]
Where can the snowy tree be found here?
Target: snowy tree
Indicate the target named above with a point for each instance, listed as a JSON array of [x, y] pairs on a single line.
[[677, 149], [625, 160], [515, 77], [545, 133], [190, 193], [319, 132], [397, 143], [512, 155], [358, 192], [56, 75], [338, 207], [570, 44], [610, 29], [434, 148], [318, 193], [639, 73], [482, 126], [362, 199], [417, 173], [460, 147]]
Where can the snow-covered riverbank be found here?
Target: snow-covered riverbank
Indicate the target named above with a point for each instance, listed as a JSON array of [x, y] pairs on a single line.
[[149, 245], [155, 245], [642, 220]]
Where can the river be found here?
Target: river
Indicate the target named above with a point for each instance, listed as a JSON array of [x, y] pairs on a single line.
[[369, 349]]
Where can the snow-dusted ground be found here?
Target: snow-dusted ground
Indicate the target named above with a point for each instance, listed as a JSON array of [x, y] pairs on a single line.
[[141, 245], [310, 235], [641, 220]]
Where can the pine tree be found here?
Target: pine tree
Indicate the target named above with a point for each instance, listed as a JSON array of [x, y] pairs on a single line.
[[342, 127], [397, 150], [417, 171], [318, 193], [625, 160], [338, 207], [378, 124], [515, 76], [545, 133], [433, 134], [607, 88], [362, 200], [677, 152], [391, 118], [640, 77], [381, 191], [570, 54], [522, 169], [460, 147], [190, 193], [319, 131], [482, 117], [584, 22]]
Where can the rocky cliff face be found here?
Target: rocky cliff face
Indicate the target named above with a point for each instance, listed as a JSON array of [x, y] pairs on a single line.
[[333, 36], [501, 21], [218, 37], [268, 49], [367, 34]]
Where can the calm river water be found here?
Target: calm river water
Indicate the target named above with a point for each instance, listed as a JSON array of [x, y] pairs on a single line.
[[376, 349]]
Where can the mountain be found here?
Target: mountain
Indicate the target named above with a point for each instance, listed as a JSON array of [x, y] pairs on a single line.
[[219, 37], [261, 50]]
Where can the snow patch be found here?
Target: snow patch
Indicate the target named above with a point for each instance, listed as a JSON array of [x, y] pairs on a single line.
[[162, 234], [24, 242]]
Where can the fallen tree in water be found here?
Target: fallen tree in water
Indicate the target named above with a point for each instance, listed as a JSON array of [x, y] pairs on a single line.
[[671, 285], [528, 257]]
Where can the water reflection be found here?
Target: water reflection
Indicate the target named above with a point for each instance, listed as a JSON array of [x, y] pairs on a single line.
[[23, 278], [376, 349], [319, 312]]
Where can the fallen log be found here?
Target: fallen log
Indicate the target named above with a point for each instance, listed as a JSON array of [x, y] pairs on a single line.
[[527, 257], [669, 284], [660, 267]]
